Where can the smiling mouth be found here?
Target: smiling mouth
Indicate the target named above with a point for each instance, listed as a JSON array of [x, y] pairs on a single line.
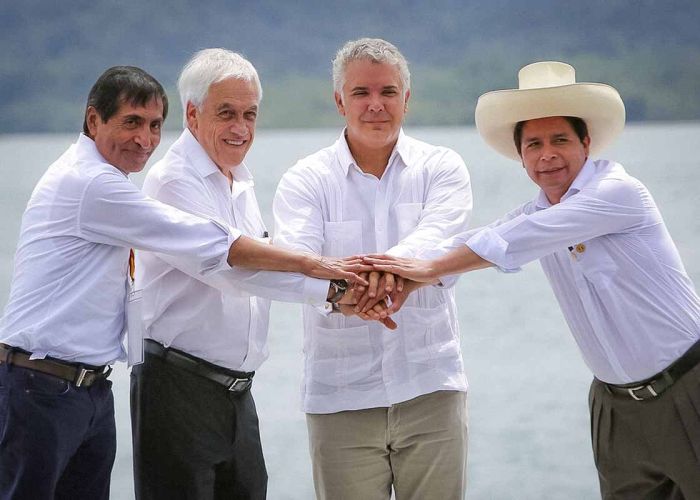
[[553, 171], [232, 142]]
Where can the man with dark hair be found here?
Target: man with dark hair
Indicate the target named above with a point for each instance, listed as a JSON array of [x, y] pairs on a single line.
[[123, 84], [65, 317], [577, 125], [613, 268]]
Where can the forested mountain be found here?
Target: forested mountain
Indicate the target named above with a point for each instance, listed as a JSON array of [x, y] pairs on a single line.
[[53, 51]]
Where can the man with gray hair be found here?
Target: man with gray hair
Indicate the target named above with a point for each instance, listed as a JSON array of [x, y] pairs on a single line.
[[384, 409], [206, 335]]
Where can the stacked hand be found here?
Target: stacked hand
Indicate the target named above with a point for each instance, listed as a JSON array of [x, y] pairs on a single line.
[[381, 283], [319, 266], [378, 311], [410, 269]]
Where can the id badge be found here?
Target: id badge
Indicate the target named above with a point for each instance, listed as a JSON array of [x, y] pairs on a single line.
[[134, 325]]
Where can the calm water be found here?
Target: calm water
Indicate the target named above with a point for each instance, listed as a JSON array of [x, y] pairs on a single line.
[[529, 430]]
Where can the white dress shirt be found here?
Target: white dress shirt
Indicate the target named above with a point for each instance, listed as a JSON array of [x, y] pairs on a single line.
[[221, 317], [621, 286], [69, 285], [326, 204]]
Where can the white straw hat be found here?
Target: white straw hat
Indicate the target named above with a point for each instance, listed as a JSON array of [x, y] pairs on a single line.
[[549, 88]]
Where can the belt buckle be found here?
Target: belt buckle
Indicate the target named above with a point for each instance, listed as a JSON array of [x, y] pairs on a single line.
[[239, 384], [648, 387], [81, 376]]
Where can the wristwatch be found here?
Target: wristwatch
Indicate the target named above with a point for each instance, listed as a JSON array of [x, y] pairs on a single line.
[[338, 287]]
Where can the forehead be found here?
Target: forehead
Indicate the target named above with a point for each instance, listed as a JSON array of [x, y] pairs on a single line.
[[365, 72], [547, 126], [153, 109], [234, 91]]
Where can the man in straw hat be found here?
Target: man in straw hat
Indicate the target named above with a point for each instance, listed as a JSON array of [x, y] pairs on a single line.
[[613, 267]]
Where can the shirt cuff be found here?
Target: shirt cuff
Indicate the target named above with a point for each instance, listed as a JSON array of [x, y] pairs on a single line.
[[315, 291], [489, 245], [232, 235]]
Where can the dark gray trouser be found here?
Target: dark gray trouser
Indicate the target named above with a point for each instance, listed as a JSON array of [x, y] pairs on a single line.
[[193, 439], [648, 449]]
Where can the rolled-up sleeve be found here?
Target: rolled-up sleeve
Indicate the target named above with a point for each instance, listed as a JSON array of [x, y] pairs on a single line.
[[612, 207]]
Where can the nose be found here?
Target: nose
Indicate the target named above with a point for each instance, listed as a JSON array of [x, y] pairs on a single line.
[[548, 153], [238, 128], [144, 138], [375, 104]]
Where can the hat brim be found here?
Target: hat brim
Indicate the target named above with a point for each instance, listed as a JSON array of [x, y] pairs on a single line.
[[599, 105]]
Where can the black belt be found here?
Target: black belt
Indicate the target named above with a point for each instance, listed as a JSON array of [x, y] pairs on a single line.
[[233, 381], [79, 374], [654, 386]]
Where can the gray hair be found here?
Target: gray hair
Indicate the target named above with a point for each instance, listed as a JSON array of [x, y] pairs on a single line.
[[210, 66], [371, 49]]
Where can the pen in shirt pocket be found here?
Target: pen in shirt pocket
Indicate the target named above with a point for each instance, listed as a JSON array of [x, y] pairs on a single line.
[[265, 238]]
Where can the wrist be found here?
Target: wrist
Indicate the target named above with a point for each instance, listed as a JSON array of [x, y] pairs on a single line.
[[336, 290], [435, 269], [306, 263]]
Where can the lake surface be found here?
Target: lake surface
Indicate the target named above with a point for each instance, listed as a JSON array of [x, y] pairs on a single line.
[[529, 429]]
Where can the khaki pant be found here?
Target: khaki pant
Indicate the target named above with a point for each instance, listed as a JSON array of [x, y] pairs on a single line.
[[648, 449], [418, 446]]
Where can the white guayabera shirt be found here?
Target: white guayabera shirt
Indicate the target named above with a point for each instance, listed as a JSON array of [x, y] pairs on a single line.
[[68, 291], [612, 265], [220, 317], [326, 204]]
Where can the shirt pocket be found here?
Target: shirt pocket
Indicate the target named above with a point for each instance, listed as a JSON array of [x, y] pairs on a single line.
[[595, 263], [342, 239], [340, 357], [407, 218], [429, 334]]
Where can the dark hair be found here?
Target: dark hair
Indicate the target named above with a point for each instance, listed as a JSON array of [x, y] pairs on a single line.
[[120, 84], [579, 126]]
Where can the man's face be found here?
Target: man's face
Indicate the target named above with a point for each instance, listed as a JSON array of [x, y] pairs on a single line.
[[373, 103], [552, 154], [129, 137], [225, 126]]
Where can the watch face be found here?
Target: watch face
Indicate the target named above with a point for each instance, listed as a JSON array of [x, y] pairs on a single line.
[[340, 284]]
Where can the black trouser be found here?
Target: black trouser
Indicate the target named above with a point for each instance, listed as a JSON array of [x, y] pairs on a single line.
[[648, 449], [193, 439], [57, 441]]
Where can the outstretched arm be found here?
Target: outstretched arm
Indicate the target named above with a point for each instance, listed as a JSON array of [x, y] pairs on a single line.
[[249, 253], [459, 260]]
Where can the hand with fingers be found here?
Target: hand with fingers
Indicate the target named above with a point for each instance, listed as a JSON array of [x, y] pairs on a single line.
[[379, 311], [396, 296], [413, 269], [381, 286], [319, 266]]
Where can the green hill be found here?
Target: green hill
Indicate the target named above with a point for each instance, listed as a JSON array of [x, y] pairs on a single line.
[[53, 51]]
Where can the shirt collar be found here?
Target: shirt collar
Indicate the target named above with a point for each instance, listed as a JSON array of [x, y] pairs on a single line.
[[205, 167], [583, 177], [345, 158], [87, 150]]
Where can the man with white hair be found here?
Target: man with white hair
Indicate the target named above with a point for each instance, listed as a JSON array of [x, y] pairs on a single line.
[[613, 268], [384, 409], [195, 427]]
